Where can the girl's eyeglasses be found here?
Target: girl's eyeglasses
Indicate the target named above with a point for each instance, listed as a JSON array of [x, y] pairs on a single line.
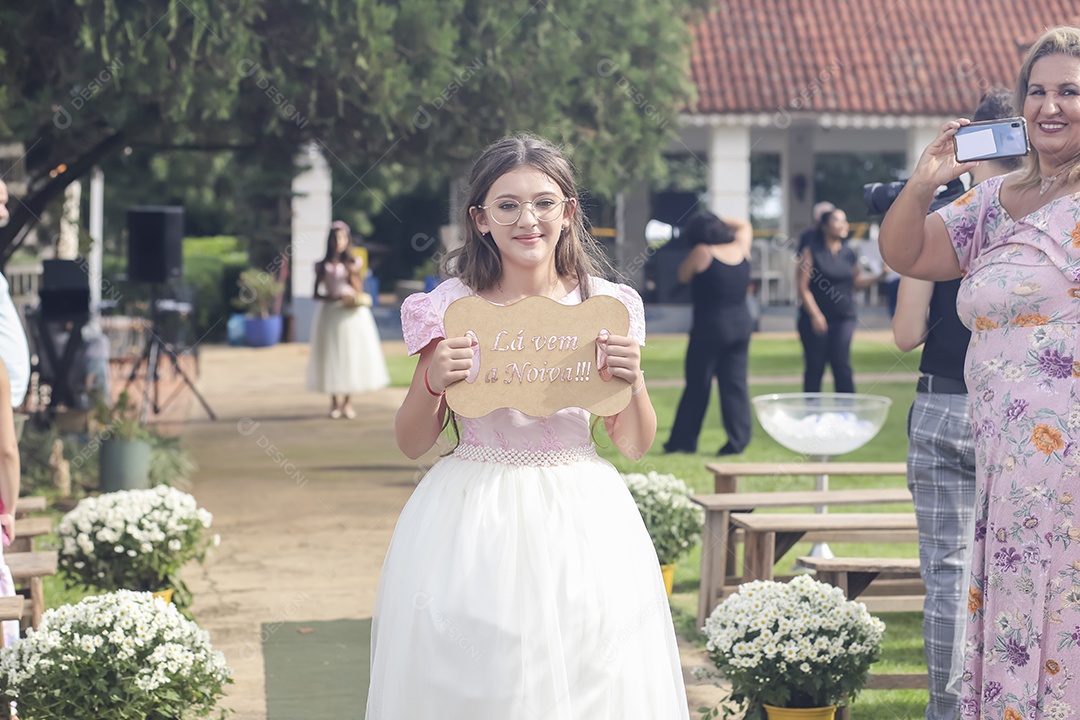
[[508, 212]]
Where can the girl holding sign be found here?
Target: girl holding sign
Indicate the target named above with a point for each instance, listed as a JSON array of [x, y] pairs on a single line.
[[520, 581]]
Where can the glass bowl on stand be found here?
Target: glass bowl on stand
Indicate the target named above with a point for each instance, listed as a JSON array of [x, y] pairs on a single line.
[[822, 426]]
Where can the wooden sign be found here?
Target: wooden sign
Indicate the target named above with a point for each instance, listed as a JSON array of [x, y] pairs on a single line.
[[536, 355]]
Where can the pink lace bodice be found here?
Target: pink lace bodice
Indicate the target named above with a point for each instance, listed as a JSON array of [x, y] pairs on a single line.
[[508, 429], [336, 280]]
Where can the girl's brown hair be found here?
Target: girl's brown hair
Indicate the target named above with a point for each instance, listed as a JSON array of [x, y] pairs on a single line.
[[477, 262], [1057, 41], [332, 254]]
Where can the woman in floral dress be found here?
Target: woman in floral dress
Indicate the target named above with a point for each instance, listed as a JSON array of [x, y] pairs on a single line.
[[1016, 242]]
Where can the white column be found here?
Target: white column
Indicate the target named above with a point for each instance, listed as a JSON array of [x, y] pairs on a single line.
[[67, 247], [311, 217], [97, 221], [729, 171]]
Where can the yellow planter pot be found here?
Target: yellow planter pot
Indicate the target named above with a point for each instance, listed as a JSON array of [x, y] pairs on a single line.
[[668, 571], [821, 713]]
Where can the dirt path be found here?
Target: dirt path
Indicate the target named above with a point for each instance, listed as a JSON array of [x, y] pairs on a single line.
[[305, 507]]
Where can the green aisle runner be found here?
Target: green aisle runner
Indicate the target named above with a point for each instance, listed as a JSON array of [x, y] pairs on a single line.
[[316, 670]]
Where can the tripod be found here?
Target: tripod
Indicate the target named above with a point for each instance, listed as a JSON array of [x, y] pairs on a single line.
[[151, 356]]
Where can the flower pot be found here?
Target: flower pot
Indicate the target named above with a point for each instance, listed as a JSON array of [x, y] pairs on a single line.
[[124, 465], [668, 571], [821, 713], [262, 332]]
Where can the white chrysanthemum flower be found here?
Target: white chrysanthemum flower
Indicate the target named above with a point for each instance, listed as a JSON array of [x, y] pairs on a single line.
[[791, 635], [132, 538]]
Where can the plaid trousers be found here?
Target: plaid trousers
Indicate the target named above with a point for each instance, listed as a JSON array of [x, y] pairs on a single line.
[[941, 476]]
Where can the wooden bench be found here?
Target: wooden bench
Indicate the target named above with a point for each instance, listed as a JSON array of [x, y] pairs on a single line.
[[29, 569], [719, 544], [26, 529], [26, 505], [11, 608], [769, 537], [854, 575], [726, 474]]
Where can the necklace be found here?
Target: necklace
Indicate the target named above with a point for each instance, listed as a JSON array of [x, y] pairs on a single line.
[[1047, 182]]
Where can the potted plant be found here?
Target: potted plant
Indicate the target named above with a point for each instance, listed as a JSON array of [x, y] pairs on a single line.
[[134, 540], [259, 297], [673, 520], [796, 645], [123, 445], [121, 655]]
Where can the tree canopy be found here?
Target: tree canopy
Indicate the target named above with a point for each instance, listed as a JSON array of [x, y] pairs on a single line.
[[394, 93]]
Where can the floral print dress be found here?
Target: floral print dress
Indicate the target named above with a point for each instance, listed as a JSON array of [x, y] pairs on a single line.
[[1021, 299]]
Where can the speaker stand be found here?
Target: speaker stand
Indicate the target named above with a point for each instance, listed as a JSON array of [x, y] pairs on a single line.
[[151, 357]]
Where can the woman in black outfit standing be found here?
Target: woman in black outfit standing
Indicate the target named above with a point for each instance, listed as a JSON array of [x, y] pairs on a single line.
[[828, 275], [718, 270]]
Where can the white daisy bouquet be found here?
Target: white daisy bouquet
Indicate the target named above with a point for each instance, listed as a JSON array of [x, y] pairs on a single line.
[[799, 644], [124, 656], [673, 520], [134, 540]]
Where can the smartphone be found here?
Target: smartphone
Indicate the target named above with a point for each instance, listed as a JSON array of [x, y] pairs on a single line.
[[991, 139]]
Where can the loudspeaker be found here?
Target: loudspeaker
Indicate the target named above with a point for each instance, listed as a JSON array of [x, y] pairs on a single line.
[[65, 290], [155, 243]]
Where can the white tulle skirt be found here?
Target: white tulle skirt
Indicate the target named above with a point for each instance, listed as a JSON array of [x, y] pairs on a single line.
[[519, 593], [346, 355]]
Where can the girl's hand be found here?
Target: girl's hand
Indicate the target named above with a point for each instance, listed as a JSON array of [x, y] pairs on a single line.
[[451, 362], [937, 165], [820, 324], [623, 357]]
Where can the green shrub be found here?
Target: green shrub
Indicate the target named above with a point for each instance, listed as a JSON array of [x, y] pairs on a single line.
[[211, 265]]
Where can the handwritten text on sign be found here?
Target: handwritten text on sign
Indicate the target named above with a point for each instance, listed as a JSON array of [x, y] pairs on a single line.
[[543, 350]]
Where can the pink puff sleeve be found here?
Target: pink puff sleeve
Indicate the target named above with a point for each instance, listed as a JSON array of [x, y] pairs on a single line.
[[422, 314], [420, 324]]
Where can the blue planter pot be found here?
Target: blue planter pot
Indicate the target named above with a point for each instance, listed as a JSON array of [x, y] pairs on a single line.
[[262, 332]]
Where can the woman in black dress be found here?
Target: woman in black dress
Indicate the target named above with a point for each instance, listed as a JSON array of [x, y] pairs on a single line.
[[718, 270], [828, 275]]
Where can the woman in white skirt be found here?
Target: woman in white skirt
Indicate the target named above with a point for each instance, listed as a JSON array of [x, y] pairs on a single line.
[[346, 356]]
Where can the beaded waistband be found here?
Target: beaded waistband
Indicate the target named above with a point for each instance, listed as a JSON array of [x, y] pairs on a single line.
[[484, 453]]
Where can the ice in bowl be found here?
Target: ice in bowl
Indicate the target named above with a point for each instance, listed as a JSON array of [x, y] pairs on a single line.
[[823, 424]]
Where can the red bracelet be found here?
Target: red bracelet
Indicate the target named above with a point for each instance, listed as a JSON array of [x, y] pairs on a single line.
[[428, 386]]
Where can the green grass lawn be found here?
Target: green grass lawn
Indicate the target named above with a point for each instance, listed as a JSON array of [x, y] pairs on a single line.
[[663, 358]]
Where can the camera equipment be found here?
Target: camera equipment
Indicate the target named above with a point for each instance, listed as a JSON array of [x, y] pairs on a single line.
[[879, 197], [155, 241]]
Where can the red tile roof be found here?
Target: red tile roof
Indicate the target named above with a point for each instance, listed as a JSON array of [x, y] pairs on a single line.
[[877, 57]]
